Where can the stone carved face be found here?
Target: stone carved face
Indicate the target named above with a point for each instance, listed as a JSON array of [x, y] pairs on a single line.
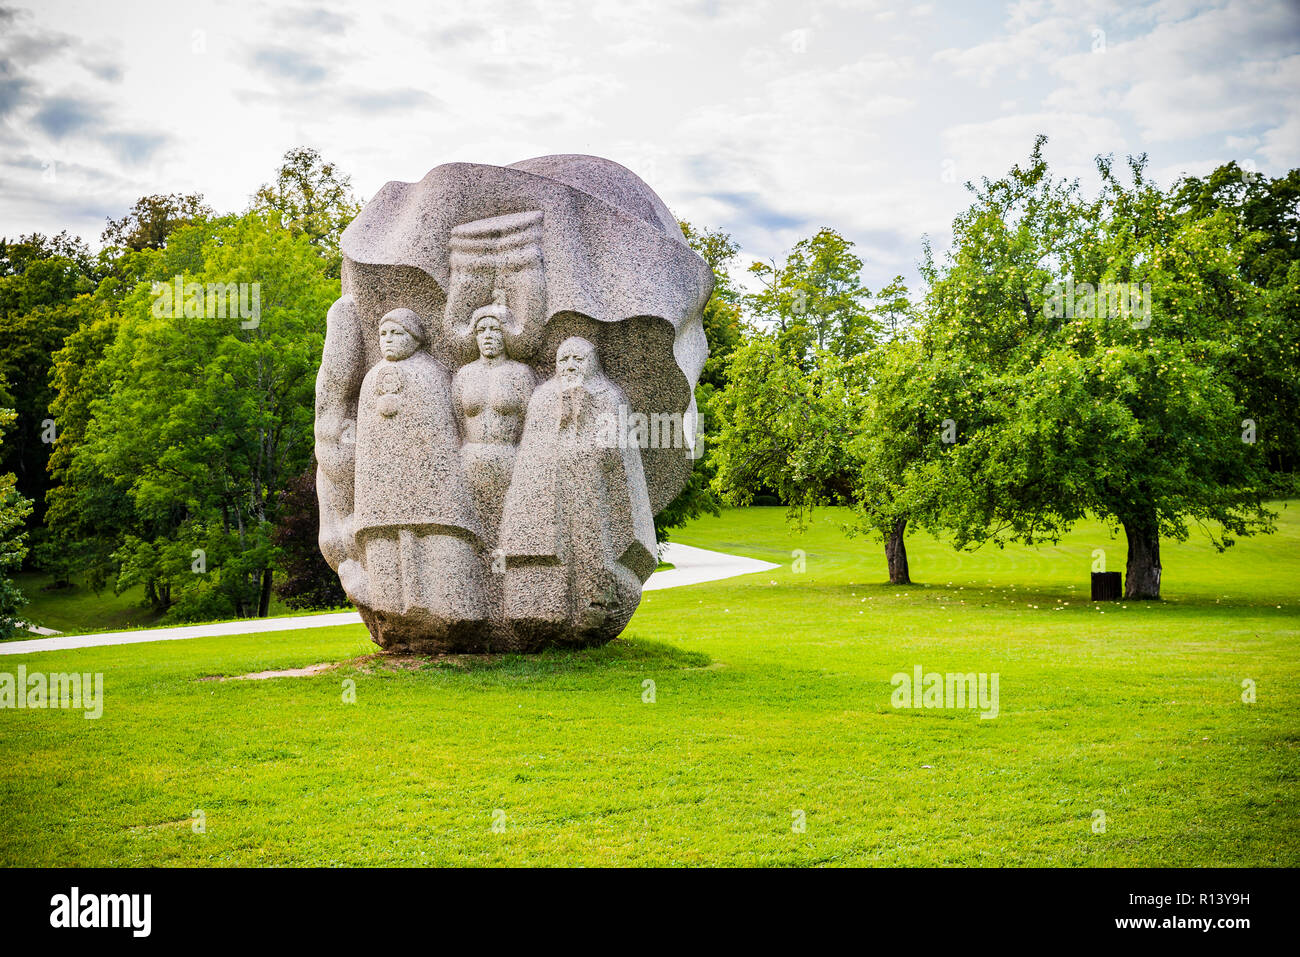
[[394, 341], [575, 360], [491, 342]]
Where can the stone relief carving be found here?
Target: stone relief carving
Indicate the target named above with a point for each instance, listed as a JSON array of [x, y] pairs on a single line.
[[498, 328]]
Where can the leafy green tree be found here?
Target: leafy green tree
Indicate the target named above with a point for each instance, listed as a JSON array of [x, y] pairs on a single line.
[[40, 279], [1127, 414], [1267, 207], [48, 554], [722, 329], [816, 299], [152, 219], [782, 426], [862, 432], [819, 407], [91, 514], [17, 255], [88, 512], [208, 415], [14, 509], [811, 305], [308, 581], [312, 197], [1265, 349], [893, 310], [1266, 361], [722, 313], [899, 436]]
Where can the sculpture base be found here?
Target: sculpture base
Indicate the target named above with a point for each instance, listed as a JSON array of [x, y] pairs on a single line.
[[415, 636], [524, 635]]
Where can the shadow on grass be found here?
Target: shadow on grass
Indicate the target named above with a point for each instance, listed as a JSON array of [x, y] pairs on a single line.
[[1194, 601], [621, 654]]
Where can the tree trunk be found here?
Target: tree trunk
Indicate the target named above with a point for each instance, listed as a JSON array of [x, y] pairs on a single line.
[[896, 554], [264, 601], [1142, 576]]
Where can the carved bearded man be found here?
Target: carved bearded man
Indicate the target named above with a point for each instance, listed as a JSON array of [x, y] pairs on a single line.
[[578, 533]]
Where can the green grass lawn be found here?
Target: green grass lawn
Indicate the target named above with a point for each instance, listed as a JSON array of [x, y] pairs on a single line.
[[78, 609], [771, 697]]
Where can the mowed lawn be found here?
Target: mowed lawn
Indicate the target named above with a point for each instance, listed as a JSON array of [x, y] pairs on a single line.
[[771, 707]]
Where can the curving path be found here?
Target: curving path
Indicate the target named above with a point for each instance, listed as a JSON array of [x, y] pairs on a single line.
[[692, 566], [695, 565]]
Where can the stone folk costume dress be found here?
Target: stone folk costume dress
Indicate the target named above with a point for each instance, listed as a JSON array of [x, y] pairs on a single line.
[[416, 527]]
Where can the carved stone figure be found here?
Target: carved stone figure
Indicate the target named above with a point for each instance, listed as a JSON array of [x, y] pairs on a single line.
[[418, 535], [578, 534], [465, 506], [491, 395]]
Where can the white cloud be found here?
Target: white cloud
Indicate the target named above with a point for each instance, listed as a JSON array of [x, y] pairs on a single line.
[[767, 119], [1211, 73], [1034, 42], [1281, 144]]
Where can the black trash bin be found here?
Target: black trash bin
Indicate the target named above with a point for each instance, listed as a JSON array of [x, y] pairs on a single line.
[[1107, 586]]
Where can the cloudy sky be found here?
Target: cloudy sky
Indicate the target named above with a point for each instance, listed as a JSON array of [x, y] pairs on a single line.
[[767, 118]]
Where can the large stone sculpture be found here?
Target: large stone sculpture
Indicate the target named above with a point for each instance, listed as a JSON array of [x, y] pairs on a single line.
[[505, 400]]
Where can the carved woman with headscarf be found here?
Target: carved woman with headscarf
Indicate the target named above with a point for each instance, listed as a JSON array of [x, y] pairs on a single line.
[[416, 527], [577, 532]]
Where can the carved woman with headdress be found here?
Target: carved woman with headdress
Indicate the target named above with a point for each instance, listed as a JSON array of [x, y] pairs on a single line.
[[416, 528], [491, 396]]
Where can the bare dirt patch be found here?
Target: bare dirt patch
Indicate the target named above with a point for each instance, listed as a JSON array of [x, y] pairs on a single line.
[[137, 828], [306, 672], [367, 664]]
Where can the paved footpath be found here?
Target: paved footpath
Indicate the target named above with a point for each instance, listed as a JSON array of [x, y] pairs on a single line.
[[691, 567]]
